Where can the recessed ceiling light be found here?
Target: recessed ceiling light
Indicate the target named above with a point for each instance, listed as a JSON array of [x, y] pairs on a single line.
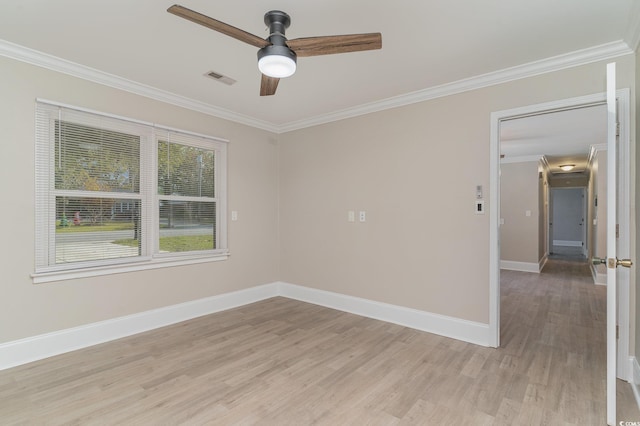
[[567, 167]]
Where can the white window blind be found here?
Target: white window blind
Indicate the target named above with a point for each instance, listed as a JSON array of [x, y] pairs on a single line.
[[112, 191], [187, 195]]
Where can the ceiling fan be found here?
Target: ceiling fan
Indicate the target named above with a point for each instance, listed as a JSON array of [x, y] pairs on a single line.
[[277, 56]]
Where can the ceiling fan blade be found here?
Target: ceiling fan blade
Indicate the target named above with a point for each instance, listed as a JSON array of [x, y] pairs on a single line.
[[219, 26], [328, 45], [268, 85]]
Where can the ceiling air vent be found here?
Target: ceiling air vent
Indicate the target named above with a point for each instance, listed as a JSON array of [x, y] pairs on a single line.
[[221, 78]]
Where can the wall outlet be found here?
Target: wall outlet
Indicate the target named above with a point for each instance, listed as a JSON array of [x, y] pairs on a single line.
[[363, 216]]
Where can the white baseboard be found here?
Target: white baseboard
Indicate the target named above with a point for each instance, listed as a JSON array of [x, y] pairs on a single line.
[[635, 379], [30, 349], [543, 262], [512, 265], [468, 331], [598, 277], [34, 348], [566, 243]]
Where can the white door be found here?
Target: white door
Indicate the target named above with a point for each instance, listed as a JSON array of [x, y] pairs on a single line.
[[568, 217], [612, 261], [611, 243]]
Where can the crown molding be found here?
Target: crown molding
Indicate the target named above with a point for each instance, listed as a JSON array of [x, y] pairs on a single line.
[[593, 151], [633, 29], [546, 167], [556, 63], [44, 60], [522, 159]]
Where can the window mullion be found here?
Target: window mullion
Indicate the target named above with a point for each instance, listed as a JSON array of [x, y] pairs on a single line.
[[97, 194], [151, 196], [188, 198]]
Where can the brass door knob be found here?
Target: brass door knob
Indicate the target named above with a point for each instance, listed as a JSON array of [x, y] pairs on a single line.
[[624, 262], [598, 261]]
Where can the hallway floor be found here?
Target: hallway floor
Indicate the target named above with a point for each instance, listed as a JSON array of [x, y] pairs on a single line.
[[567, 253], [559, 316]]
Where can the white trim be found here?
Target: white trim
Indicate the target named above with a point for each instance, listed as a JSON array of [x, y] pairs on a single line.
[[494, 228], [34, 348], [634, 367], [632, 37], [624, 220], [546, 167], [579, 57], [70, 274], [567, 243], [46, 345], [468, 331], [598, 277], [522, 159], [513, 265], [542, 262], [594, 149]]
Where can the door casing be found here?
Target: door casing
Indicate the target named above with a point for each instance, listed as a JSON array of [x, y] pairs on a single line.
[[623, 95]]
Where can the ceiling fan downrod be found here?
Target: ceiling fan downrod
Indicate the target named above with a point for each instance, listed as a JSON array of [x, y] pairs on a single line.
[[278, 22]]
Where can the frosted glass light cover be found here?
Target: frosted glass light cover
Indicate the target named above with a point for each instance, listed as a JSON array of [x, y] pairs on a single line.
[[277, 66]]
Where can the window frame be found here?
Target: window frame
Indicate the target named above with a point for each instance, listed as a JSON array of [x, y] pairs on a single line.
[[46, 270]]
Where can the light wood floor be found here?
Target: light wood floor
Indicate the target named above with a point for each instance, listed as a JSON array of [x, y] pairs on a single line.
[[281, 362]]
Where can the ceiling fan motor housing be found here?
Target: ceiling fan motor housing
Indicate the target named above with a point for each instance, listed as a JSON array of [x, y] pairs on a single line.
[[278, 22]]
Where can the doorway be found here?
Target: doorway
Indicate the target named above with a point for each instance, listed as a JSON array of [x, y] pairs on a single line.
[[567, 225], [499, 117]]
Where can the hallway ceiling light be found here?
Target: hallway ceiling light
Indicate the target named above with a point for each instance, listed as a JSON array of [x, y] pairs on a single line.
[[567, 167]]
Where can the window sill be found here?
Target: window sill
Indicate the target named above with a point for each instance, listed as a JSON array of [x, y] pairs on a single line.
[[46, 277]]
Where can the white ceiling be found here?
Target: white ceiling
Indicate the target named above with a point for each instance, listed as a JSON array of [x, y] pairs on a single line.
[[426, 44], [563, 137]]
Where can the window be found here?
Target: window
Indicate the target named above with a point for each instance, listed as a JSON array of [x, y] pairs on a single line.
[[114, 194]]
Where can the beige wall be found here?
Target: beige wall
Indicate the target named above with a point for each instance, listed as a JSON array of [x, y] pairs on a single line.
[[601, 210], [597, 234], [27, 309], [519, 192], [414, 170]]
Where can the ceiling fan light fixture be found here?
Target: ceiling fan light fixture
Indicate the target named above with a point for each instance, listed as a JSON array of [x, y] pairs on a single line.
[[567, 167], [277, 61]]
